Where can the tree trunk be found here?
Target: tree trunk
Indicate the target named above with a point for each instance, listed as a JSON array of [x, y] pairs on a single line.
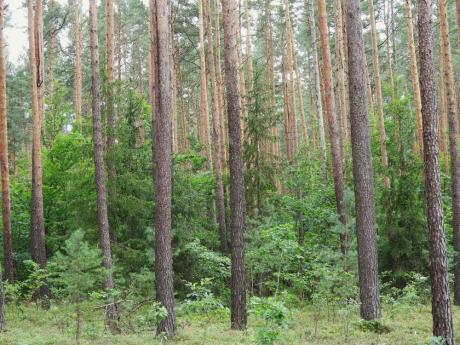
[[334, 129], [237, 197], [414, 73], [51, 48], [98, 153], [291, 83], [162, 140], [37, 223], [220, 87], [78, 52], [220, 195], [203, 126], [443, 114], [362, 167], [448, 76], [4, 169], [441, 309], [310, 9], [378, 92], [110, 112], [340, 61]]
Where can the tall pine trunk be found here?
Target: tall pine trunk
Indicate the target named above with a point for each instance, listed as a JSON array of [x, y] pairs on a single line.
[[4, 168], [237, 197], [310, 9], [449, 88], [441, 309], [36, 80], [78, 52], [220, 195], [98, 155], [362, 167], [334, 128], [414, 73], [378, 92], [162, 144]]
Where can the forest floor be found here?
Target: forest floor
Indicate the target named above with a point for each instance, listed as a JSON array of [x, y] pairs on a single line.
[[400, 325]]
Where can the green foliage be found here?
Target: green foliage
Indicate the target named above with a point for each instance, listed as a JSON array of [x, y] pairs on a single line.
[[401, 213], [374, 326], [76, 271], [275, 318], [200, 299]]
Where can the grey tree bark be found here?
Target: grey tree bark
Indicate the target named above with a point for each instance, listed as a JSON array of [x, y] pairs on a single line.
[[362, 167], [237, 196], [441, 308], [98, 156], [162, 145]]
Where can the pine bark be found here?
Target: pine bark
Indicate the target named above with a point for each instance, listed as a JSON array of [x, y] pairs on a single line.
[[310, 9], [203, 126], [451, 102], [414, 73], [162, 141], [237, 190], [37, 222], [78, 52], [98, 156], [216, 134], [362, 167], [378, 92], [441, 309], [334, 128], [4, 169], [220, 86], [51, 48]]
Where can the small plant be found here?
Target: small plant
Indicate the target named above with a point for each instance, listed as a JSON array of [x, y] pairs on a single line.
[[374, 326], [275, 316], [152, 316], [200, 299], [437, 341]]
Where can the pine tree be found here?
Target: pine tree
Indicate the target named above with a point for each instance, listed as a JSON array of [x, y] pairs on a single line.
[[162, 144], [237, 197], [441, 309], [98, 154], [362, 167]]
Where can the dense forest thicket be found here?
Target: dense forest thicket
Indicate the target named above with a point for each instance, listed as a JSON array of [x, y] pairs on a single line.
[[230, 172]]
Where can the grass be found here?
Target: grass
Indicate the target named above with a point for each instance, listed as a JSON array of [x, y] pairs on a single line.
[[400, 325]]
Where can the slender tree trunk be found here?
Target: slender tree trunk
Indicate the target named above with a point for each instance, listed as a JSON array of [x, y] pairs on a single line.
[[448, 76], [162, 139], [286, 108], [40, 59], [249, 56], [220, 87], [98, 152], [237, 197], [387, 18], [203, 126], [110, 111], [78, 52], [291, 84], [334, 130], [303, 121], [414, 73], [443, 114], [378, 92], [441, 309], [362, 167], [241, 78], [37, 222], [340, 61], [4, 169], [310, 9], [51, 48], [216, 106]]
